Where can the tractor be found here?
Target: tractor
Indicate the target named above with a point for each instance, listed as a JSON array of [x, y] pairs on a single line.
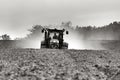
[[53, 39]]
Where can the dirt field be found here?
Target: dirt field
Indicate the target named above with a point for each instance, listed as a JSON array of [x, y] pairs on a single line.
[[46, 64]]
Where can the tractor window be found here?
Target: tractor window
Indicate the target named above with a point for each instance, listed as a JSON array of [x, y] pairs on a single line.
[[54, 35], [51, 35]]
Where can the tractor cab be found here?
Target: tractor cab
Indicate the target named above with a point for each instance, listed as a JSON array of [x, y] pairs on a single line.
[[54, 39]]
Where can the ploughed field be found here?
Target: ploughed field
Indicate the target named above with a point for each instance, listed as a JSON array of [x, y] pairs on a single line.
[[51, 64]]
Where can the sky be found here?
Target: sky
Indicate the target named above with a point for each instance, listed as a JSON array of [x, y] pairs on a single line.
[[16, 16]]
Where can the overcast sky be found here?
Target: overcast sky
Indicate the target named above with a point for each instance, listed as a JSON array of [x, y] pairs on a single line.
[[16, 16]]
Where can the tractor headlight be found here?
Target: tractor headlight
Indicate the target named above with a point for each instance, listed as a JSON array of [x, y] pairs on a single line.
[[54, 41]]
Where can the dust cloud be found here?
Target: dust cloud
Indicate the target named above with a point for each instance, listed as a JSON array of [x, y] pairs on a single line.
[[74, 39]]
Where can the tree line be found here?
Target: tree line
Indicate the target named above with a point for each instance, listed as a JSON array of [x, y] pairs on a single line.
[[107, 32]]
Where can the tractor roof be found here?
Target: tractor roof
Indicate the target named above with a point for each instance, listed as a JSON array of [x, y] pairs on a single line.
[[55, 30]]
